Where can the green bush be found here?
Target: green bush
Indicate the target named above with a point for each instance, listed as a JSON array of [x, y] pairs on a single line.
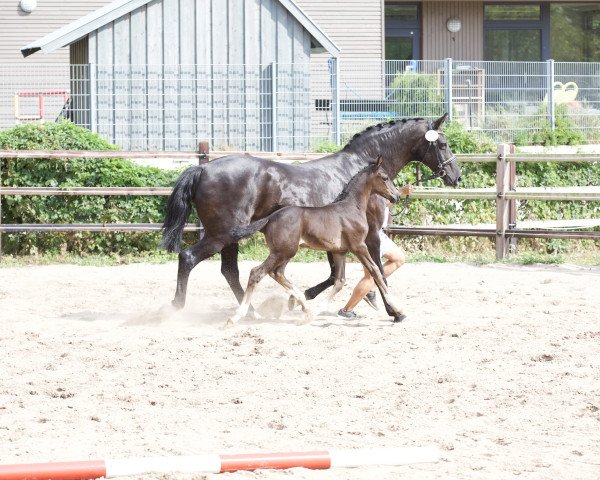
[[565, 132], [416, 95], [85, 209], [467, 141]]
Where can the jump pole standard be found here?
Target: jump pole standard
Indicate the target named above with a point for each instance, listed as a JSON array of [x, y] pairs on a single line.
[[214, 463]]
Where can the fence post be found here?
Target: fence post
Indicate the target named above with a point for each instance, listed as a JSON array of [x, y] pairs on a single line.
[[502, 205], [203, 152], [512, 204], [274, 106], [550, 92], [335, 99], [448, 70]]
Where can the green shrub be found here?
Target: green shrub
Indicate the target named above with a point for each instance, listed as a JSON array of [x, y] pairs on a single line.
[[85, 209], [565, 132], [416, 95], [326, 146], [467, 141]]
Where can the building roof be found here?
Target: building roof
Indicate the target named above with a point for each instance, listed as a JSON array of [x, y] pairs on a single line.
[[80, 28]]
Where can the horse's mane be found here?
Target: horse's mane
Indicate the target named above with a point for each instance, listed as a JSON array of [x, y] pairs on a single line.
[[351, 183], [367, 132]]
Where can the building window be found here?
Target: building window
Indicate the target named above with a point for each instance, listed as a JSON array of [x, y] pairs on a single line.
[[512, 12], [514, 45], [514, 32], [575, 32], [402, 31], [566, 32]]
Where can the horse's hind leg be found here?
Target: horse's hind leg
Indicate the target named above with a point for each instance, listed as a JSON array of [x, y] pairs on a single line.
[[312, 292], [188, 259], [230, 270]]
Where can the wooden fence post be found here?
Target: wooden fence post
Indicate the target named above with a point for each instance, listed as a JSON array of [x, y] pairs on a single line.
[[512, 204], [203, 152], [502, 205]]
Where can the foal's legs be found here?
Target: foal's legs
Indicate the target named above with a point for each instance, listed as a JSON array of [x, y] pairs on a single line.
[[256, 275], [390, 303], [372, 242], [188, 259], [279, 276]]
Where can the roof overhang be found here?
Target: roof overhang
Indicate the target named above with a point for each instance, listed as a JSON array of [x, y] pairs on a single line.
[[80, 28], [324, 43]]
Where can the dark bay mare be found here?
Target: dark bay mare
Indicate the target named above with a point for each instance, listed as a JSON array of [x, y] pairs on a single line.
[[337, 228], [240, 189]]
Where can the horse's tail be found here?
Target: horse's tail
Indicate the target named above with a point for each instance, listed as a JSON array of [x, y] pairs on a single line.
[[178, 208], [243, 231]]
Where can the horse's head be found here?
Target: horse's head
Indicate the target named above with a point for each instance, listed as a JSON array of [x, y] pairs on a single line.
[[433, 151], [381, 182]]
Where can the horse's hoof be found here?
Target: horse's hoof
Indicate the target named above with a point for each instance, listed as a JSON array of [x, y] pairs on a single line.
[[309, 294], [399, 318], [292, 303], [177, 304]]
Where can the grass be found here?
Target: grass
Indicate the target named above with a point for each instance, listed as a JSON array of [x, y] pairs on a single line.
[[158, 256], [255, 249]]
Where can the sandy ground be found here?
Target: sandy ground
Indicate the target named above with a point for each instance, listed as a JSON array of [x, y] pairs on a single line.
[[499, 366]]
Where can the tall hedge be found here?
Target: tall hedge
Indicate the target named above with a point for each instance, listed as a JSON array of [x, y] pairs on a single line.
[[105, 172]]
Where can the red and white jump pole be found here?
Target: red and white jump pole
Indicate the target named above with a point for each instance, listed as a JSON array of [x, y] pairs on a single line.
[[214, 463]]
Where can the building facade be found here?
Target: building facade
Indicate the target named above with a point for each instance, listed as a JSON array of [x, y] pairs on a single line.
[[513, 30], [567, 30]]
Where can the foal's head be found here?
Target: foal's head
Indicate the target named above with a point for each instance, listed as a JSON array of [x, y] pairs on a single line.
[[380, 182]]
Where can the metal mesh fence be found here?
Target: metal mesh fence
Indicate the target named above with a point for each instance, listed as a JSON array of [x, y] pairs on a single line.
[[298, 106]]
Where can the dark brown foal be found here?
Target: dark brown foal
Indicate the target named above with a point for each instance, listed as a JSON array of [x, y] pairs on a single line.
[[339, 227]]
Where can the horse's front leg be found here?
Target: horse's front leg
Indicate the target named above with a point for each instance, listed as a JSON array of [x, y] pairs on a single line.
[[312, 292], [391, 305]]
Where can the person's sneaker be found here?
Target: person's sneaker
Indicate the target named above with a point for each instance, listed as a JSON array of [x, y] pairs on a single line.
[[371, 300], [347, 314]]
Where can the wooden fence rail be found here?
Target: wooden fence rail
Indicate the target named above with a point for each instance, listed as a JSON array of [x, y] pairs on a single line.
[[504, 194]]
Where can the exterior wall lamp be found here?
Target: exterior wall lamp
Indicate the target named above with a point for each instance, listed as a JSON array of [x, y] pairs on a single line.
[[28, 6], [453, 24]]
